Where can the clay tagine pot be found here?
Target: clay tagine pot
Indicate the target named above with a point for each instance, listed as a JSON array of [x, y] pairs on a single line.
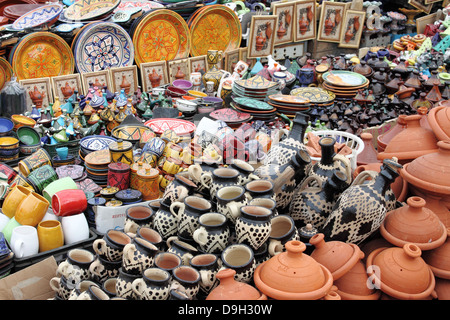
[[439, 121], [442, 289], [385, 138], [368, 154], [414, 223], [293, 275], [337, 256], [401, 273], [230, 289], [411, 143], [439, 259]]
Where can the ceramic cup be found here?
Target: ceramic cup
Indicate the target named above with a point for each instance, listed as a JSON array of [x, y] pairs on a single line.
[[69, 202], [75, 228], [42, 177], [196, 79], [137, 217], [34, 161], [80, 288], [219, 178], [253, 226], [213, 233], [167, 261], [109, 286], [58, 185], [75, 267], [61, 287], [173, 151], [165, 223], [110, 247], [178, 189], [138, 256], [62, 152], [230, 199], [240, 258], [207, 265], [259, 189], [268, 203], [124, 285], [50, 235], [93, 293], [283, 230], [102, 269], [152, 236], [187, 280], [8, 229], [246, 171], [32, 209], [154, 284], [13, 199], [181, 248], [24, 241]]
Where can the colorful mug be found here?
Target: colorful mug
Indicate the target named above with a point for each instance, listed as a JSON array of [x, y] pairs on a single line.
[[34, 161]]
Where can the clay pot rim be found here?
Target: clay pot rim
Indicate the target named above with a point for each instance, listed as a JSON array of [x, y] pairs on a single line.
[[428, 186], [393, 292], [432, 121], [350, 296], [400, 242], [408, 155], [440, 273]]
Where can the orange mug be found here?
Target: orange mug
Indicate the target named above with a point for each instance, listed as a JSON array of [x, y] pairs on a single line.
[[50, 235]]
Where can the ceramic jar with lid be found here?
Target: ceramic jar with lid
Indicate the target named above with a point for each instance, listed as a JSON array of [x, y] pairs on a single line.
[[133, 172], [129, 196], [119, 175], [147, 183], [121, 151]]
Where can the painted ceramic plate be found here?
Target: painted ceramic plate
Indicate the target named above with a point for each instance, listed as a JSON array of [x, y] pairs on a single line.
[[181, 127], [89, 9], [314, 94], [216, 27], [252, 103], [98, 158], [42, 54], [288, 99], [129, 132], [103, 45], [96, 142], [256, 83], [161, 35], [144, 5], [6, 72], [229, 115], [39, 16], [344, 78]]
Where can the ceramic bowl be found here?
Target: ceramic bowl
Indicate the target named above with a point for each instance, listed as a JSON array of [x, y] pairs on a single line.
[[215, 100], [9, 152], [29, 149], [9, 143], [6, 126], [175, 92], [156, 91], [182, 84], [197, 94], [131, 133], [20, 121], [28, 136], [186, 106]]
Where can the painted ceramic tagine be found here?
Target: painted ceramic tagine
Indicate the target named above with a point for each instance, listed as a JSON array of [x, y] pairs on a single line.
[[293, 275]]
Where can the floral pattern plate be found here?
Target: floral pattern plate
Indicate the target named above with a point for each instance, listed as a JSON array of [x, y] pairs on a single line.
[[103, 45], [181, 127], [252, 103], [74, 171], [314, 94], [96, 142], [6, 72], [90, 9], [257, 82], [42, 54], [230, 115], [344, 78], [215, 27], [161, 35], [39, 16]]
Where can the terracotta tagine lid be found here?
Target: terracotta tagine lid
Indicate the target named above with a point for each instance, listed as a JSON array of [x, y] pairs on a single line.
[[439, 121], [385, 138], [414, 223], [411, 143], [368, 154], [404, 274], [293, 275], [231, 289], [437, 205], [430, 173], [442, 289], [337, 256], [438, 259], [353, 285]]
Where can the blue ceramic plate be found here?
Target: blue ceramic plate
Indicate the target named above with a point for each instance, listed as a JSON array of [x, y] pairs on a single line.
[[96, 142], [39, 16], [103, 45], [6, 125]]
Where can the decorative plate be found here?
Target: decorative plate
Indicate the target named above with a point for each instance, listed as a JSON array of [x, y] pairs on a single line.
[[181, 127], [88, 185], [252, 103], [98, 158], [216, 27], [74, 171], [256, 83], [42, 54], [90, 9], [161, 35], [229, 115], [145, 5], [96, 142], [131, 132], [314, 94], [103, 45], [6, 72], [39, 16], [288, 99], [344, 78]]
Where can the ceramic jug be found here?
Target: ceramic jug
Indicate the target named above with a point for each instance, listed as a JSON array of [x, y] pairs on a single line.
[[214, 74]]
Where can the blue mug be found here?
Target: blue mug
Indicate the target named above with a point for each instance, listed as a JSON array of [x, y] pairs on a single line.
[[63, 152]]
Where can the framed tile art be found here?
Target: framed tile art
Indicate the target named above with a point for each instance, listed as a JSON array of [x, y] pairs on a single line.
[[98, 78], [231, 58], [260, 42], [198, 64], [330, 23], [153, 74], [179, 67], [124, 78], [352, 28], [286, 19], [421, 5], [63, 85], [305, 22], [40, 88]]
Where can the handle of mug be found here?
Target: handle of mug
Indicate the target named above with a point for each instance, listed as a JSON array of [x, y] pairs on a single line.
[[18, 248], [205, 180], [170, 240], [253, 176], [205, 278], [179, 205], [200, 236], [98, 246], [94, 267], [195, 172], [62, 268], [234, 209], [55, 282], [128, 252], [137, 285], [275, 247]]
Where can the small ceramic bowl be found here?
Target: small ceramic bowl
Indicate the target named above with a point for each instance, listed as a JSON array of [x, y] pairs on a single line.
[[29, 149], [182, 84], [9, 152], [197, 94], [28, 136], [156, 91], [6, 126], [215, 100], [20, 121], [9, 143], [175, 92], [186, 106]]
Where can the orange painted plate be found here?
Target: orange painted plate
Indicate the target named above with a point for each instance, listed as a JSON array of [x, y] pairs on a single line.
[[90, 9], [161, 35], [216, 27], [42, 54], [6, 72]]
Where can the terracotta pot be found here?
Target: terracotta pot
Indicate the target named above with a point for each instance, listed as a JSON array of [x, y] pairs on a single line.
[[413, 223], [369, 154], [411, 143], [372, 245], [230, 289], [385, 138], [437, 205], [353, 285], [337, 256], [439, 121], [439, 259], [404, 274], [292, 275]]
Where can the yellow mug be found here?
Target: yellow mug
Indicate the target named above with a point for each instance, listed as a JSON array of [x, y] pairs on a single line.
[[13, 199], [32, 209], [164, 181], [50, 235], [171, 165], [174, 151]]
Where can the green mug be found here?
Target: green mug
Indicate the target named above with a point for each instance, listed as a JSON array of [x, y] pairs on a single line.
[[42, 177], [58, 185], [8, 229]]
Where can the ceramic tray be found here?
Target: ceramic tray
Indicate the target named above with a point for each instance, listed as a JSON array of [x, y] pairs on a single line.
[[161, 35], [42, 54], [103, 45], [229, 115], [90, 9], [255, 83], [98, 158], [252, 104], [181, 127], [344, 78], [288, 99], [314, 94], [43, 15], [215, 27], [6, 72]]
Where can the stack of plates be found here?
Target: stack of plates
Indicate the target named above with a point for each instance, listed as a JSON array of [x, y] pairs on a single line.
[[256, 87], [231, 117], [96, 164], [345, 84], [289, 104], [259, 110], [318, 97]]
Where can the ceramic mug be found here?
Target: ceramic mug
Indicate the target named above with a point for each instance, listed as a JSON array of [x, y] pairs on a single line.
[[58, 185], [152, 236], [80, 288], [50, 235], [239, 257], [167, 261], [207, 265], [61, 288], [283, 230], [4, 219], [34, 161], [109, 286], [165, 223], [75, 267], [110, 247], [138, 256], [13, 199], [24, 241], [246, 171], [259, 189], [137, 217], [173, 150], [32, 209], [213, 233], [187, 280], [178, 189], [219, 178], [196, 79], [171, 165], [230, 199], [181, 248], [9, 227], [93, 293], [69, 202], [124, 285], [253, 226], [75, 228], [102, 269], [268, 203], [42, 177], [154, 284]]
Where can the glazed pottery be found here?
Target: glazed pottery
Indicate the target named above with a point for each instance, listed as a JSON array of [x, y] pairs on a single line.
[[138, 256], [24, 241], [31, 210], [230, 199], [401, 272], [94, 292], [80, 287], [34, 161], [102, 269], [365, 203], [138, 217], [167, 261], [121, 151], [187, 280], [69, 202], [133, 172], [414, 223], [153, 285], [213, 233], [261, 188], [147, 183], [231, 289], [337, 256], [164, 222], [282, 230], [61, 288], [13, 199], [207, 265], [9, 227], [253, 226], [124, 285], [152, 236], [188, 213], [66, 183], [241, 258], [293, 275], [219, 178], [246, 171], [75, 268], [213, 74], [119, 175], [178, 189], [75, 228], [50, 235], [181, 248], [110, 247]]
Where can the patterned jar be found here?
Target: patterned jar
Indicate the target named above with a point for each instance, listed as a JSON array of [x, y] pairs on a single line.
[[133, 174], [148, 183], [119, 175], [121, 151]]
